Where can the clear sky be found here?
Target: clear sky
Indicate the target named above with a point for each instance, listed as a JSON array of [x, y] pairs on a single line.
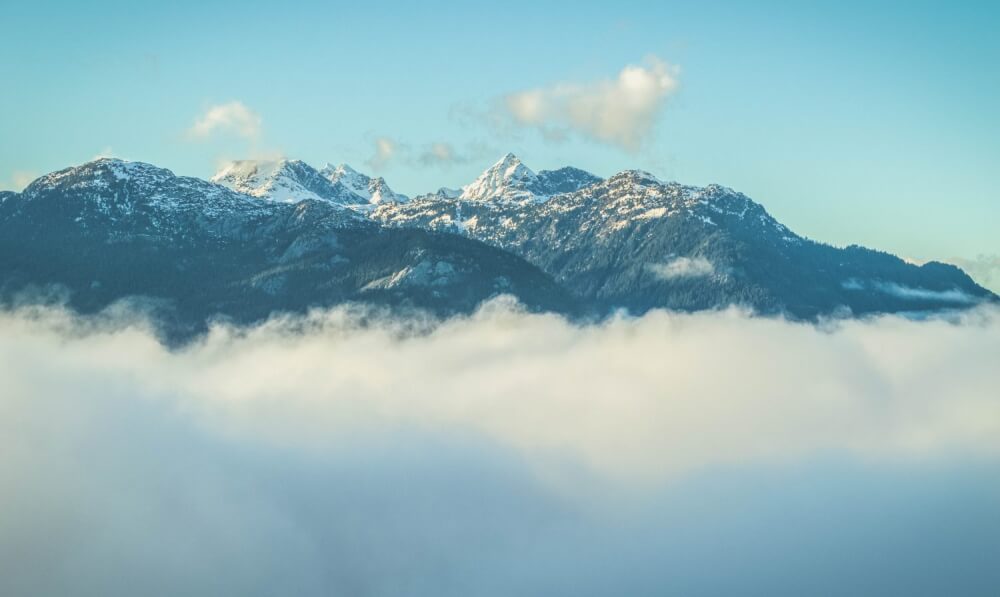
[[849, 122]]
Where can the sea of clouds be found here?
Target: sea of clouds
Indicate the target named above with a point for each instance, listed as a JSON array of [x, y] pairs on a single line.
[[504, 453]]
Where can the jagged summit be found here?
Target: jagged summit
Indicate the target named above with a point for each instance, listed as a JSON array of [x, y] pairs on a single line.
[[285, 181], [372, 190], [291, 181], [507, 180], [510, 180], [333, 171], [349, 177], [381, 193]]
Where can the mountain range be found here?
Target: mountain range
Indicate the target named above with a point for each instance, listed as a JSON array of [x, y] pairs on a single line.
[[281, 236]]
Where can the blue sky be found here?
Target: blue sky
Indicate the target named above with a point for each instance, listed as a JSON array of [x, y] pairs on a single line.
[[850, 123]]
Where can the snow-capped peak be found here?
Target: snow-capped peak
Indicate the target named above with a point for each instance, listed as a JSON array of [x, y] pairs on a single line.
[[338, 170], [349, 177], [508, 180], [271, 179], [100, 172], [637, 176], [381, 193], [287, 181], [372, 190]]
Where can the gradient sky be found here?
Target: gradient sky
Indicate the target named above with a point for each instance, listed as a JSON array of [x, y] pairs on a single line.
[[850, 123]]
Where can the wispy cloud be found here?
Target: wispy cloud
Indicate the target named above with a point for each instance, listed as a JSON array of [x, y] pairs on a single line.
[[441, 154], [445, 154], [902, 291], [386, 150], [683, 267], [21, 178], [984, 269], [107, 152], [620, 111], [911, 293], [233, 118]]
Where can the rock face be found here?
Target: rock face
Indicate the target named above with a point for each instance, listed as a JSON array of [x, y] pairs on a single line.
[[561, 240], [109, 229]]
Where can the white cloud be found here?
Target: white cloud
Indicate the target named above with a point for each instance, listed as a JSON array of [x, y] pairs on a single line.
[[505, 453], [386, 150], [602, 373], [902, 291], [620, 111], [232, 118], [683, 267], [984, 269], [107, 152], [445, 154], [439, 154], [21, 178], [911, 293]]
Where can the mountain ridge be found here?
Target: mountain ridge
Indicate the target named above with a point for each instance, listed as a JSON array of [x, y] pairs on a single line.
[[561, 240]]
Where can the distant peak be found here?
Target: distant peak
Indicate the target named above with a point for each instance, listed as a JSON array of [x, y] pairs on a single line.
[[343, 172], [262, 169], [637, 176], [106, 160], [245, 168], [507, 179], [101, 169], [122, 168], [509, 160]]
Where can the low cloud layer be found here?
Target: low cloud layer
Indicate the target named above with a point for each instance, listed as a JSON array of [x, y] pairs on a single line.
[[233, 118], [620, 111], [505, 453]]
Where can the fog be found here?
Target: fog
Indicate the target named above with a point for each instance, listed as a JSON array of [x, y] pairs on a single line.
[[502, 453]]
